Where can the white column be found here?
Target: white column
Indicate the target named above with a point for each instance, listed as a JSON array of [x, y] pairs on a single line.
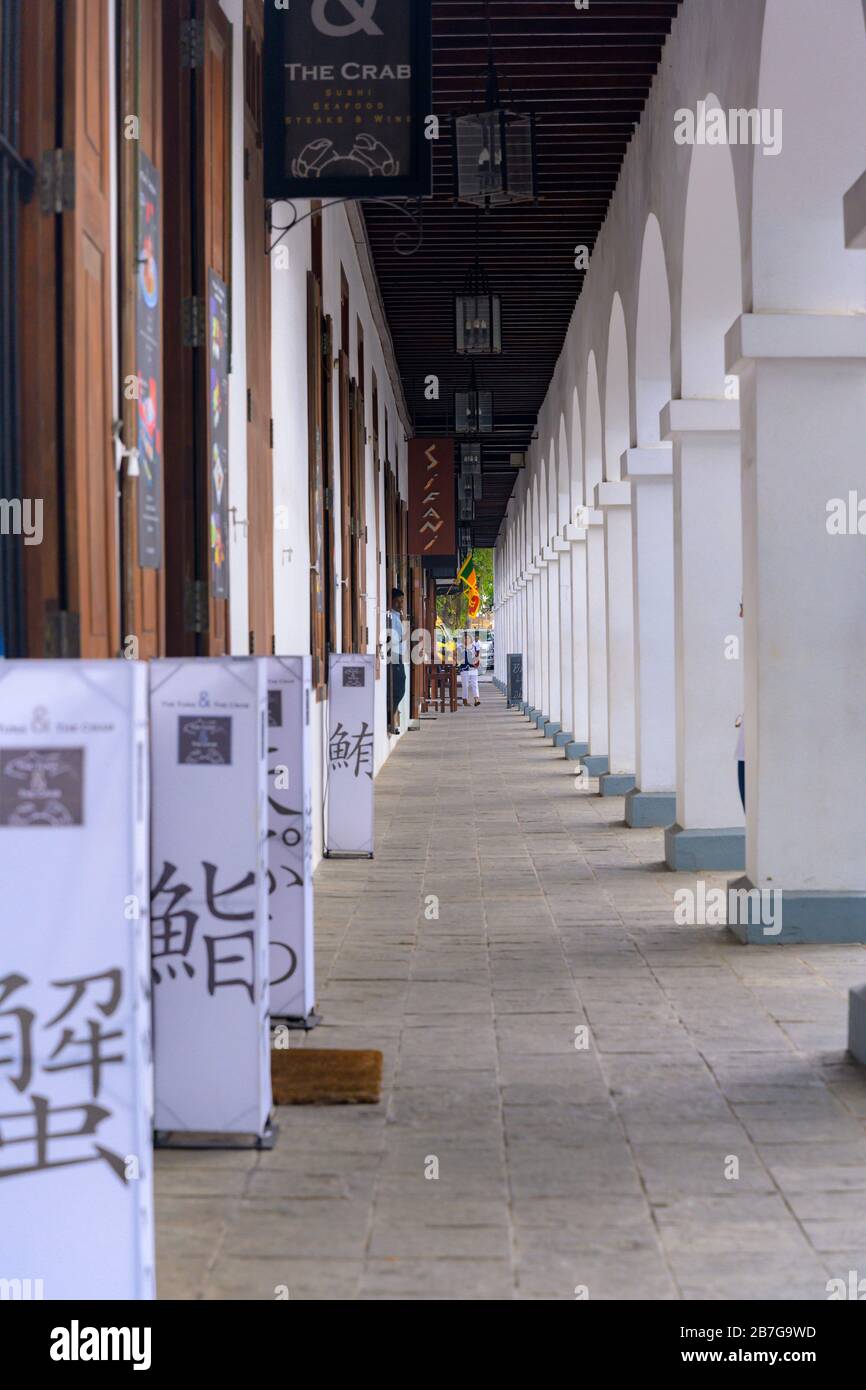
[[708, 833], [577, 538], [544, 653], [566, 638], [613, 499], [554, 692], [596, 621], [803, 402], [650, 472]]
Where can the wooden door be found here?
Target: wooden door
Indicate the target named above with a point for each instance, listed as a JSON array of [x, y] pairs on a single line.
[[260, 483], [142, 588], [345, 503], [89, 479], [48, 602], [357, 483], [316, 484], [197, 224]]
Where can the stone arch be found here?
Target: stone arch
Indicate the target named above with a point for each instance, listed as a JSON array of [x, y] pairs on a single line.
[[616, 404], [563, 485], [712, 294], [593, 470], [576, 453], [652, 374], [813, 72]]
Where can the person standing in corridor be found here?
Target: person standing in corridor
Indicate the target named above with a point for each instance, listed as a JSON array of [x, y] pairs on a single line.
[[469, 668]]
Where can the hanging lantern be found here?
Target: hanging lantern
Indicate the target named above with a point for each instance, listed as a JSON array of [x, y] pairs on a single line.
[[477, 316], [473, 410], [470, 459], [494, 149]]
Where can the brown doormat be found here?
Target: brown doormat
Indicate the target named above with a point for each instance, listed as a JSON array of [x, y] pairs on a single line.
[[326, 1076]]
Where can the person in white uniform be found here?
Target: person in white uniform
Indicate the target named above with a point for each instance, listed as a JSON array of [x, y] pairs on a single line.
[[469, 669]]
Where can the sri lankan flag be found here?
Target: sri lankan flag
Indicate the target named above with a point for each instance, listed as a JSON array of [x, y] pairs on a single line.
[[466, 574]]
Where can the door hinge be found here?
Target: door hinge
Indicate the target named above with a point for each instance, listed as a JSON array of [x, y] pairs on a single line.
[[195, 605], [246, 165], [249, 406], [271, 432], [329, 499], [252, 644], [191, 43], [326, 339], [192, 310], [57, 181]]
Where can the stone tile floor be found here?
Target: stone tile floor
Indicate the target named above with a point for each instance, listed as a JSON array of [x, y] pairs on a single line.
[[504, 910]]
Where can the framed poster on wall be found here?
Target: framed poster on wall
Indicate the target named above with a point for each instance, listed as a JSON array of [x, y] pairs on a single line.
[[76, 1084], [351, 761]]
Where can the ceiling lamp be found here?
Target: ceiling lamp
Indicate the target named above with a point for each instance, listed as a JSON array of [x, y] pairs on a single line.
[[473, 409], [477, 315], [494, 149]]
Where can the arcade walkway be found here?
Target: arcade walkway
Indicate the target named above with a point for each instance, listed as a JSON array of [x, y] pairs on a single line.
[[558, 1167]]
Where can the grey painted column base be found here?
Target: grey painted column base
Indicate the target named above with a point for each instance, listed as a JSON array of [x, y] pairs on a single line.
[[562, 738], [540, 721], [531, 713], [595, 764], [576, 750], [551, 729], [650, 808], [614, 783], [776, 917], [686, 851], [857, 1023]]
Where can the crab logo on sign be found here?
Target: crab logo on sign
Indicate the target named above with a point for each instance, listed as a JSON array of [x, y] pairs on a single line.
[[362, 10]]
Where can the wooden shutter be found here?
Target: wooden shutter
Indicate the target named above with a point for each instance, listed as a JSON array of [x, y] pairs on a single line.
[[359, 523], [345, 503], [214, 163], [39, 340], [327, 415], [143, 604], [88, 460], [260, 485], [316, 483]]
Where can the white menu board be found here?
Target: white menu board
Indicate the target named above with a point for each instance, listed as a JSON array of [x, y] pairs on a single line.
[[209, 896], [76, 1086], [290, 838], [350, 755]]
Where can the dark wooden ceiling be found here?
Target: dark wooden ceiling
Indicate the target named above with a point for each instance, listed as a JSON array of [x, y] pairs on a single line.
[[586, 75]]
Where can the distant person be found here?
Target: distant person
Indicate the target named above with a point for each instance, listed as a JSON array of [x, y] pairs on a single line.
[[469, 669], [396, 667]]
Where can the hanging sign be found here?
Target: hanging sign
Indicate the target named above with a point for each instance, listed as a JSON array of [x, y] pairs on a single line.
[[290, 838], [431, 497], [347, 97], [76, 1094], [218, 433], [351, 764], [209, 891], [148, 352]]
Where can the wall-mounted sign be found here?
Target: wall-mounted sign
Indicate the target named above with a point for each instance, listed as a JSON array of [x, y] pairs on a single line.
[[347, 94], [351, 760], [290, 838], [217, 330], [514, 687], [76, 1094], [148, 354], [209, 896], [431, 497]]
